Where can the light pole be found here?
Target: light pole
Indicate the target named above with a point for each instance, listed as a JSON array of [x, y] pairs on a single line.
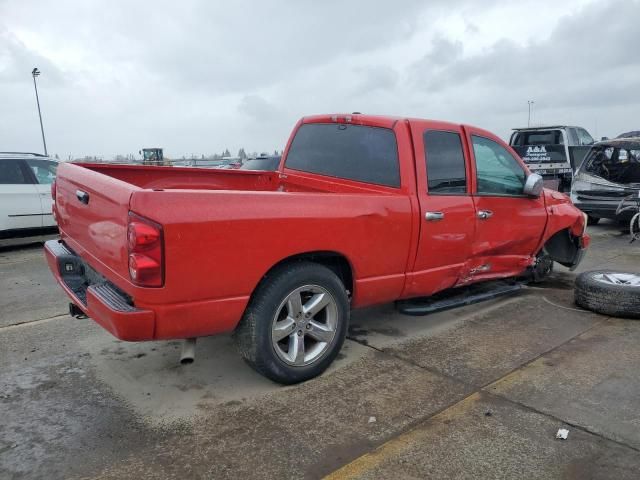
[[529, 102], [34, 73]]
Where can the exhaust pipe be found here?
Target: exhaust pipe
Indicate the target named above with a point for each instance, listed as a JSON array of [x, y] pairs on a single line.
[[188, 351]]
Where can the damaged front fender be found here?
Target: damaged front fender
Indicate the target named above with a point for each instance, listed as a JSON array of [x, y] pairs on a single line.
[[566, 249], [565, 239]]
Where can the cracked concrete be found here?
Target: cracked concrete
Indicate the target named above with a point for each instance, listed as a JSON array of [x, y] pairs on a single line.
[[474, 392]]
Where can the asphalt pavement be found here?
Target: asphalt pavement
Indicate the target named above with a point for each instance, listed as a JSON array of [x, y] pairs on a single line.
[[474, 392]]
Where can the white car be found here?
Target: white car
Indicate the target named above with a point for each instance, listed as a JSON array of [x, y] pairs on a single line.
[[25, 194]]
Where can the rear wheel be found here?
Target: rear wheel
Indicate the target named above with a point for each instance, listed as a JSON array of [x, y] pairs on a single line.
[[295, 323]]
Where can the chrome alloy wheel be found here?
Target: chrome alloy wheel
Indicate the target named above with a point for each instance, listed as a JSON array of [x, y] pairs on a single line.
[[612, 278], [304, 325]]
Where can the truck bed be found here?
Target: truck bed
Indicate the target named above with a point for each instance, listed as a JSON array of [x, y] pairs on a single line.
[[222, 230], [171, 178]]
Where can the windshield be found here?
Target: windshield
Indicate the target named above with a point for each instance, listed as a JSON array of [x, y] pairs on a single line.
[[616, 164], [150, 154]]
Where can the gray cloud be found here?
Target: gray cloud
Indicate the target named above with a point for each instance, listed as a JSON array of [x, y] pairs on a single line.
[[590, 53], [588, 62], [200, 76], [375, 77], [257, 107], [16, 59]]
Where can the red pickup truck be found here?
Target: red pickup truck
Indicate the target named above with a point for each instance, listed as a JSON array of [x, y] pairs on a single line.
[[362, 210]]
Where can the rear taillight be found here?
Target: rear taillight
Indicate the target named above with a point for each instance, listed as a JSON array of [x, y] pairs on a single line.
[[53, 190], [144, 243]]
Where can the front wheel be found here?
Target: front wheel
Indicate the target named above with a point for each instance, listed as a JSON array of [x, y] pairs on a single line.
[[541, 269], [295, 324]]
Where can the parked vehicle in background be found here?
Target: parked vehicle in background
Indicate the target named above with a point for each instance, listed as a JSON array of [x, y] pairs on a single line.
[[152, 156], [631, 134], [268, 163], [223, 163], [554, 152], [25, 194], [232, 163], [363, 210], [610, 172]]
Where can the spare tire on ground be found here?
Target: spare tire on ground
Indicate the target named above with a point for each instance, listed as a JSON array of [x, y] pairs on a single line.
[[609, 292]]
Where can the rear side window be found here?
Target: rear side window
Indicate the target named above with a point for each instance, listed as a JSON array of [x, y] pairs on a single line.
[[44, 170], [11, 172], [354, 152], [446, 173]]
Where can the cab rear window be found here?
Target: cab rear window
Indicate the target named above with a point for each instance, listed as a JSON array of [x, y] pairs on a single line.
[[353, 152]]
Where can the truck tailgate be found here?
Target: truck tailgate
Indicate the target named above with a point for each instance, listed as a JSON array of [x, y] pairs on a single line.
[[92, 213]]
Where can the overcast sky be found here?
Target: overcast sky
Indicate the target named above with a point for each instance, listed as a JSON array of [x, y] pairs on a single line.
[[200, 76]]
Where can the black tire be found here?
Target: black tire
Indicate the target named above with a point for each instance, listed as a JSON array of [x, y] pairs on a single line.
[[254, 332], [607, 298], [592, 220]]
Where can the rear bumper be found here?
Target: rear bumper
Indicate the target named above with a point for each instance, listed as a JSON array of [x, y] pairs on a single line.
[[117, 313], [103, 302]]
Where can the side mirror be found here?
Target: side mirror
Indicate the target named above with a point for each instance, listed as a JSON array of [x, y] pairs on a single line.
[[533, 185]]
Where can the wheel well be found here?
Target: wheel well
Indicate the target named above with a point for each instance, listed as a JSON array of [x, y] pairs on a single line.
[[334, 261], [561, 247]]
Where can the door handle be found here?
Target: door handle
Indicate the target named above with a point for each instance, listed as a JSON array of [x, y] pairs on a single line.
[[433, 216], [484, 214]]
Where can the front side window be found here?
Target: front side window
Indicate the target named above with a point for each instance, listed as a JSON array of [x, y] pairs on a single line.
[[498, 172], [11, 173], [446, 174], [44, 170], [353, 152]]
